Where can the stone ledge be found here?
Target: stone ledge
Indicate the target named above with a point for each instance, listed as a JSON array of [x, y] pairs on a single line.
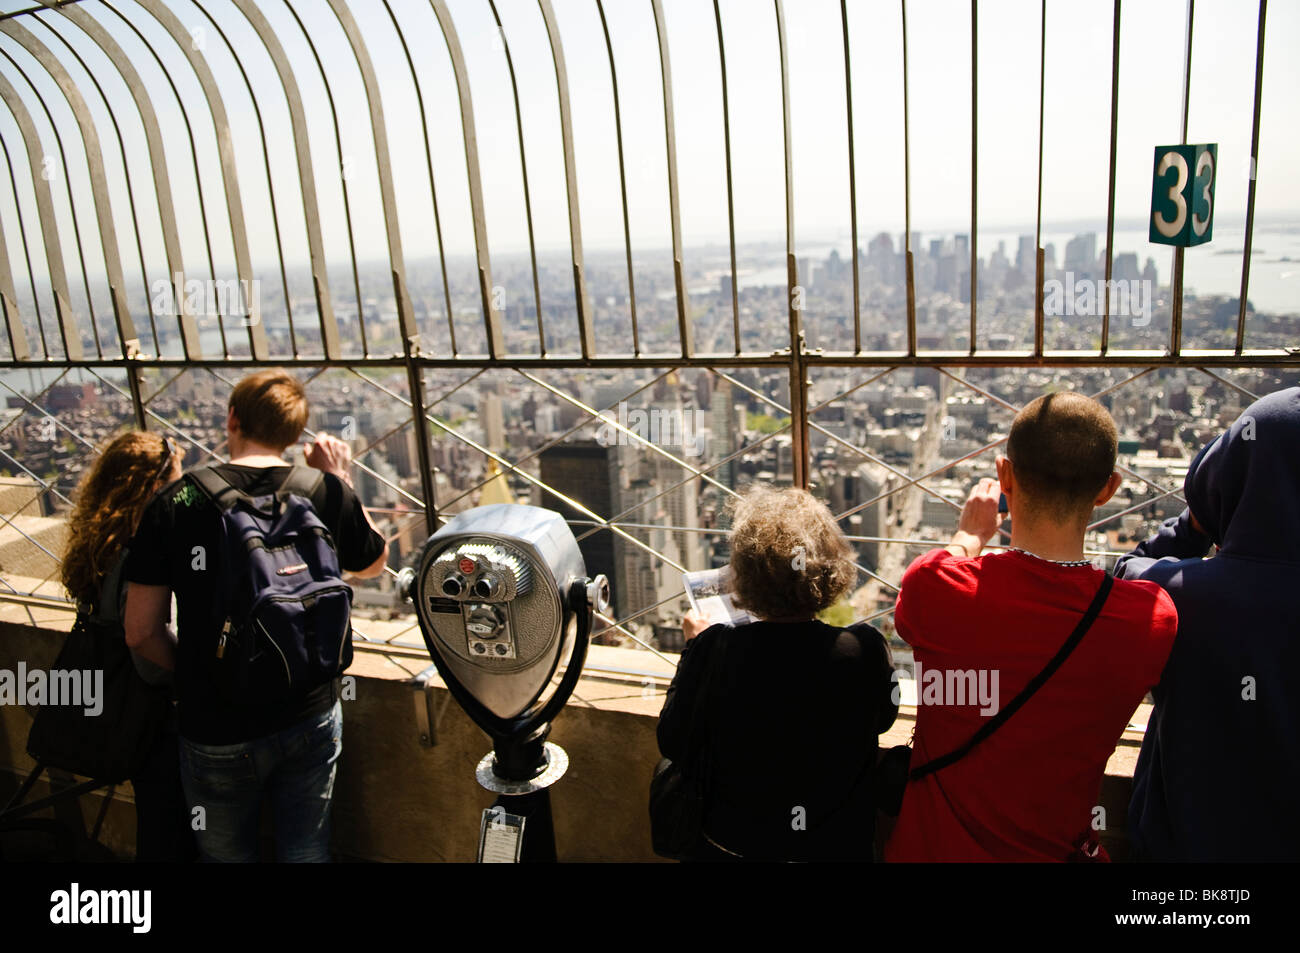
[[396, 800]]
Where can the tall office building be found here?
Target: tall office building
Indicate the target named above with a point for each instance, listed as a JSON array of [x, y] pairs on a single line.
[[722, 421], [587, 473]]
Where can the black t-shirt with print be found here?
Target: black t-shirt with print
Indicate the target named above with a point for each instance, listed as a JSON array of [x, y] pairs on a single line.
[[163, 553]]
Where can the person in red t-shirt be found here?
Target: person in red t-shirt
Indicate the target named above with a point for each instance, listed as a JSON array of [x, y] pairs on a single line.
[[1028, 791]]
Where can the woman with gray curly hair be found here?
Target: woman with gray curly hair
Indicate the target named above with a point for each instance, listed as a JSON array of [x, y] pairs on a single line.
[[789, 708]]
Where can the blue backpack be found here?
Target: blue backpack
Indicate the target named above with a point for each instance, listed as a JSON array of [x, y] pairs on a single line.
[[287, 611]]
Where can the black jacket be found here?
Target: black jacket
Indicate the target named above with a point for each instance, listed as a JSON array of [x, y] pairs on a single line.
[[791, 728]]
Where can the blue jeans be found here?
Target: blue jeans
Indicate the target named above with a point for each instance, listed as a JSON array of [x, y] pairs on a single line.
[[295, 767]]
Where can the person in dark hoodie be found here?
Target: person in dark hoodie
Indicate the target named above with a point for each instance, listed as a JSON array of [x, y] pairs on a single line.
[[1219, 770]]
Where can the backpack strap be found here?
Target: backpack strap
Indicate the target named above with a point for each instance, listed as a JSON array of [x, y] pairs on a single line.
[[1037, 682], [216, 487], [301, 481]]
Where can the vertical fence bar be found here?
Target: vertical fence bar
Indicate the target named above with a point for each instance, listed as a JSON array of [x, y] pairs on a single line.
[[270, 189], [1250, 192], [98, 179], [1176, 285], [586, 333], [685, 330], [798, 383], [67, 177], [49, 225], [907, 203], [387, 192], [433, 188], [1038, 217], [622, 181], [27, 254], [158, 166], [1110, 193], [853, 181], [343, 179], [229, 174], [329, 328], [491, 319], [523, 166], [974, 169], [731, 206], [18, 348]]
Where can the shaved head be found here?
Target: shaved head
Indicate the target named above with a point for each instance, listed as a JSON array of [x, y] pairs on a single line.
[[1062, 451]]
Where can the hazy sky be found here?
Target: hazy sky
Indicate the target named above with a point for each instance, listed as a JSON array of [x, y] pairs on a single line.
[[1076, 139]]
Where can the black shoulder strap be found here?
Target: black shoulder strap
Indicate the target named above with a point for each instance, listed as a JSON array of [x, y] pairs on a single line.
[[302, 481], [108, 606], [1035, 683], [216, 487]]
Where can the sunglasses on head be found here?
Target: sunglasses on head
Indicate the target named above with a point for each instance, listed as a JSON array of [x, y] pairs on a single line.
[[169, 450]]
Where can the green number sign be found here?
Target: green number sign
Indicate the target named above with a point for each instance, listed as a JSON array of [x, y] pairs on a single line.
[[1182, 194]]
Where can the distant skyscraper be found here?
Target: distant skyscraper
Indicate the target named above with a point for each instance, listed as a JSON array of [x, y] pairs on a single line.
[[723, 424], [587, 473], [494, 426], [1027, 257]]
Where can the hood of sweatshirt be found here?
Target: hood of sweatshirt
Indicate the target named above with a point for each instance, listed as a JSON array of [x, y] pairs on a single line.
[[1244, 487]]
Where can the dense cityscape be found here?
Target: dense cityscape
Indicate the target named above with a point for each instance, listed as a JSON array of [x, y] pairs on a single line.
[[636, 468]]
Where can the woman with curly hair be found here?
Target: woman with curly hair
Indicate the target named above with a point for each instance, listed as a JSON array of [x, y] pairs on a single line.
[[789, 708], [109, 502]]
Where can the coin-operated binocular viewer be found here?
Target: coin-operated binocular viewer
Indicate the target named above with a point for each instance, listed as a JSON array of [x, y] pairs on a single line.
[[505, 606]]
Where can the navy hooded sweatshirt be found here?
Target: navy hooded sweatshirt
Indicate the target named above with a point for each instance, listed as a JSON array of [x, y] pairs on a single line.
[[1218, 778]]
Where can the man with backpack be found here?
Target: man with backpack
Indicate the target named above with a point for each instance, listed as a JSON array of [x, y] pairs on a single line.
[[1069, 653], [252, 550]]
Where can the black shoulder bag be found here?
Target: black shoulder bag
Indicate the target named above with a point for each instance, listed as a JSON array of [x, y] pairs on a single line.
[[894, 771], [112, 743], [679, 790]]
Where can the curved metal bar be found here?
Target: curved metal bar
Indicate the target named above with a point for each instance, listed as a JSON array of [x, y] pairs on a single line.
[[428, 160], [1038, 215], [523, 165], [343, 179], [18, 349], [1250, 190], [685, 330], [229, 174], [130, 188], [731, 205], [266, 165], [329, 329], [406, 320], [974, 169], [72, 202], [798, 376], [1110, 192], [586, 334], [907, 202], [1176, 283], [853, 178], [491, 319], [157, 164], [49, 226], [194, 159], [98, 179], [622, 183], [16, 328]]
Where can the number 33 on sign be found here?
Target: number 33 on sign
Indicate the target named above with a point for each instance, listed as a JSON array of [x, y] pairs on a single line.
[[1182, 194]]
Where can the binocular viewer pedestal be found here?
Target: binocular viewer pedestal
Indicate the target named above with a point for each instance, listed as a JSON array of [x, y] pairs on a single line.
[[505, 607]]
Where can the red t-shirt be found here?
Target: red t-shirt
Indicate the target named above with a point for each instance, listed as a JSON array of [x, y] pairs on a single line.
[[1027, 792]]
